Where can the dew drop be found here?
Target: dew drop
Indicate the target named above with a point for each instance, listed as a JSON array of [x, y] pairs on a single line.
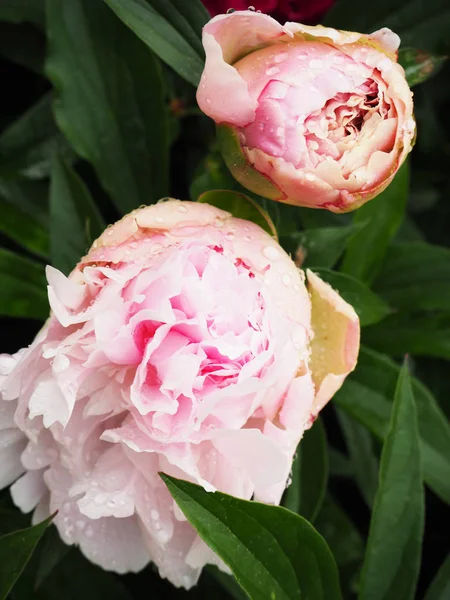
[[111, 503], [296, 287], [160, 219], [272, 71], [279, 58], [89, 532], [181, 208], [154, 514], [271, 253], [286, 279], [229, 236], [80, 525], [208, 100], [134, 245], [231, 10], [247, 238], [310, 176], [251, 8]]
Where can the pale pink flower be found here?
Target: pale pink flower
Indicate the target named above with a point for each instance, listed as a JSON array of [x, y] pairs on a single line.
[[310, 116], [185, 342]]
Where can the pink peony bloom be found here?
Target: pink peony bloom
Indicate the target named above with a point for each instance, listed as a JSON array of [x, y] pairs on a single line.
[[310, 116], [186, 342]]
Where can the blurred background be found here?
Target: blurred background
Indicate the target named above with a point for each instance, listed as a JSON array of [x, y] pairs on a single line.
[[44, 152]]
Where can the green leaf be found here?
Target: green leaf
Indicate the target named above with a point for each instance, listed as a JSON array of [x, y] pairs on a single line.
[[23, 44], [363, 461], [369, 307], [440, 587], [367, 396], [23, 287], [323, 246], [340, 465], [415, 276], [53, 552], [272, 552], [419, 65], [18, 11], [422, 24], [309, 474], [76, 578], [382, 217], [74, 219], [392, 561], [16, 549], [419, 335], [241, 207], [195, 14], [27, 146], [339, 531], [161, 36], [109, 100], [23, 229]]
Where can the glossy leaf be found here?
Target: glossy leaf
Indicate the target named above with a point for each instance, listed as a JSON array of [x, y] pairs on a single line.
[[419, 65], [272, 552], [309, 476], [241, 207], [369, 307], [415, 276], [16, 549], [161, 36], [27, 146], [109, 100], [74, 219], [382, 217], [367, 396], [440, 587], [181, 16], [323, 246], [419, 335], [392, 561], [23, 287]]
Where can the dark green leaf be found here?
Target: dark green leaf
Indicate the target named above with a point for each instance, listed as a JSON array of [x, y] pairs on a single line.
[[340, 465], [369, 307], [18, 11], [16, 549], [53, 552], [241, 207], [76, 578], [339, 531], [392, 561], [110, 100], [178, 14], [27, 146], [161, 36], [309, 474], [367, 396], [362, 457], [382, 217], [415, 276], [323, 246], [422, 24], [74, 219], [228, 582], [272, 552], [440, 588], [23, 287], [195, 14], [419, 335], [419, 65], [23, 228], [23, 44]]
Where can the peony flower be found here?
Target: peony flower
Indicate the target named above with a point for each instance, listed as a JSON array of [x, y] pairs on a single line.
[[307, 11], [185, 342], [310, 116]]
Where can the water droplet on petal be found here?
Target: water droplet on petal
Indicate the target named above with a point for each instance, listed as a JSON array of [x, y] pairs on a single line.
[[181, 208], [160, 219], [272, 71], [271, 253], [154, 514], [89, 532], [310, 177], [286, 279], [279, 58]]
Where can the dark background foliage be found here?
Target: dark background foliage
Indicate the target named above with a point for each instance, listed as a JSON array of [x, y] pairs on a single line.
[[419, 321]]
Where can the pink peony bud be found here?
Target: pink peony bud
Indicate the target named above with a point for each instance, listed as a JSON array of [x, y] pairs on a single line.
[[310, 116], [185, 342]]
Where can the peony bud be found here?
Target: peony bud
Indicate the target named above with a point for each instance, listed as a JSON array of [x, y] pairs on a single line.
[[309, 116], [185, 342]]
